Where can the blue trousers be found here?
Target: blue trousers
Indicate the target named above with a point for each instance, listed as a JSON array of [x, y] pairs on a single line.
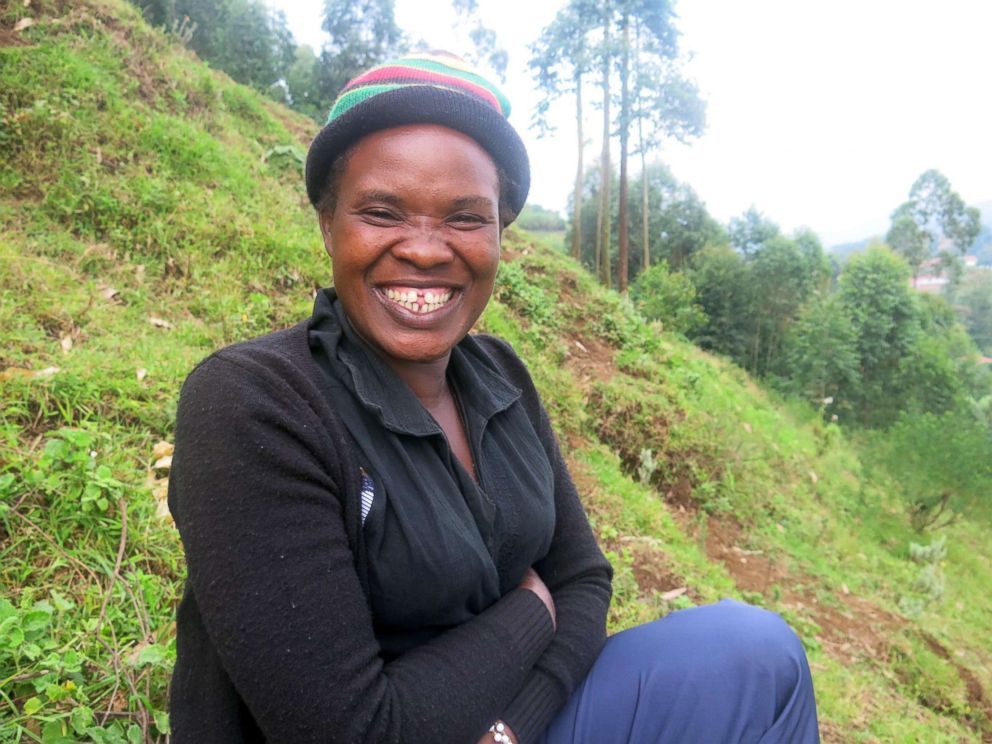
[[717, 674]]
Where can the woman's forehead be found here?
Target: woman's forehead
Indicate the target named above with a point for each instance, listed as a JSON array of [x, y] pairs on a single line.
[[420, 151]]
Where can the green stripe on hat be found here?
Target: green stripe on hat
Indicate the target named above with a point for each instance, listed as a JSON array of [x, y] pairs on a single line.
[[351, 98]]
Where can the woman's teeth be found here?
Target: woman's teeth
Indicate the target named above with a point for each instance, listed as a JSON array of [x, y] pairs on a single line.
[[419, 302]]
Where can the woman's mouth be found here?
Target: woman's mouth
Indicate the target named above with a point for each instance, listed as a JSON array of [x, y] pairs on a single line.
[[419, 301]]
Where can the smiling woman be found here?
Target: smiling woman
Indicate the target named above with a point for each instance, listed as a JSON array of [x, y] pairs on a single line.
[[384, 543], [414, 240]]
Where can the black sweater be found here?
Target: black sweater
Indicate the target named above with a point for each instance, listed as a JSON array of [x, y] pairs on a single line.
[[275, 634]]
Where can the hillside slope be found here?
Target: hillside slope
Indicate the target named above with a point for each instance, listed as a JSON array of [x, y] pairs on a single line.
[[151, 210]]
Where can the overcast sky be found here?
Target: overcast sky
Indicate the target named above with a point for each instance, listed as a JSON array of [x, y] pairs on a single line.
[[819, 114]]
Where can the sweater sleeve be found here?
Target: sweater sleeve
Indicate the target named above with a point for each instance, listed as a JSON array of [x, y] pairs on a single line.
[[253, 495], [575, 571]]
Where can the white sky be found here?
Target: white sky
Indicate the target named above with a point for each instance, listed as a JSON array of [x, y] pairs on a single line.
[[819, 113]]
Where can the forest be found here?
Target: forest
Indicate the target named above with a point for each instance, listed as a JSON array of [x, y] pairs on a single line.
[[747, 413]]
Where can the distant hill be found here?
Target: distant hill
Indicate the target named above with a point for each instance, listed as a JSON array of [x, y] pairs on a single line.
[[982, 246], [843, 250]]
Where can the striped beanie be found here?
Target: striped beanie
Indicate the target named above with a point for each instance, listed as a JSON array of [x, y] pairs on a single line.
[[423, 88]]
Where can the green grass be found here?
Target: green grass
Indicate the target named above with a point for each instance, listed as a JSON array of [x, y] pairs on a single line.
[[147, 218]]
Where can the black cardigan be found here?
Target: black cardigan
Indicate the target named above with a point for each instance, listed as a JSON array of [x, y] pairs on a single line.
[[275, 639]]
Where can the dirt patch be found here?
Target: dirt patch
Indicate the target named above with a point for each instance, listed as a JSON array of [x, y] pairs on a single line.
[[590, 360], [752, 570], [11, 39], [979, 702], [679, 495], [652, 569], [851, 627], [589, 357]]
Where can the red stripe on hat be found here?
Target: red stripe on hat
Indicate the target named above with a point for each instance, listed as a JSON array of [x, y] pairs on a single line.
[[388, 74]]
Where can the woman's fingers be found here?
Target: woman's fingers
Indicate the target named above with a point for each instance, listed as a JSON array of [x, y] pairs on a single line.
[[534, 583]]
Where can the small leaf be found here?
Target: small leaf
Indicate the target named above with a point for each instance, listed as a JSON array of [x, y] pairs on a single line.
[[23, 24], [81, 718], [134, 734], [32, 705], [670, 595], [36, 620], [72, 661], [160, 323], [11, 630], [61, 603], [54, 733], [151, 654], [162, 722]]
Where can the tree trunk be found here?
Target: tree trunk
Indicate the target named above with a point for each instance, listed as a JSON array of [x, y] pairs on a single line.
[[645, 222], [623, 268], [604, 189], [577, 194]]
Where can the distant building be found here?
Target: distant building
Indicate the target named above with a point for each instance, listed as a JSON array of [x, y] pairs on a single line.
[[930, 279]]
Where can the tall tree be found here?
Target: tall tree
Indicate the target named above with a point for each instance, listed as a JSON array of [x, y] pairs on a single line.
[[820, 359], [875, 290], [301, 84], [362, 33], [486, 49], [625, 54], [244, 38], [750, 231], [603, 222], [725, 292], [935, 219], [253, 44], [784, 276], [678, 225], [657, 82], [562, 51]]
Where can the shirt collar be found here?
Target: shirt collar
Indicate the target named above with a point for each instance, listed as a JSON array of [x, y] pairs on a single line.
[[382, 392]]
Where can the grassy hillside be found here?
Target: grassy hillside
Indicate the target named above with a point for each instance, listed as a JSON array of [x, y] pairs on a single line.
[[151, 211]]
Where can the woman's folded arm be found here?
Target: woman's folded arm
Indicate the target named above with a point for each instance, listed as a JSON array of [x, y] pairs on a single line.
[[274, 579]]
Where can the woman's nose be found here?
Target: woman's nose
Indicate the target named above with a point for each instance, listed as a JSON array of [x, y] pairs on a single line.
[[424, 245]]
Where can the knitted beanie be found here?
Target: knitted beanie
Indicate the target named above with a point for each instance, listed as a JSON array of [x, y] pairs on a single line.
[[423, 88]]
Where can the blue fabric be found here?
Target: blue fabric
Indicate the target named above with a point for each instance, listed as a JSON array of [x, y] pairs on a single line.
[[721, 673]]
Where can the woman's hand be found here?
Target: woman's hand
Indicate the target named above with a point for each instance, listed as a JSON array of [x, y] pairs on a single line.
[[506, 734], [534, 582]]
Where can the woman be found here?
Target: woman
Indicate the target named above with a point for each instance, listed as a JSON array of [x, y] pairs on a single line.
[[383, 541]]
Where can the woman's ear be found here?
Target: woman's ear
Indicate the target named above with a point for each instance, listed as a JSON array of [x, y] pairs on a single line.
[[326, 220]]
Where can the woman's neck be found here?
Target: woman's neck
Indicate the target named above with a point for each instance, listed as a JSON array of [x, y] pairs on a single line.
[[427, 380]]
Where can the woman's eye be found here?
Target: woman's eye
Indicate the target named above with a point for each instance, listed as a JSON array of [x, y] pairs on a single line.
[[466, 220], [380, 215]]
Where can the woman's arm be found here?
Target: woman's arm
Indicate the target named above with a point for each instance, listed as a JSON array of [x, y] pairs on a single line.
[[575, 571], [273, 575]]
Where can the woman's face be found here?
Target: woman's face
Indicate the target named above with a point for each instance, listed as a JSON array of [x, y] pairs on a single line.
[[414, 239]]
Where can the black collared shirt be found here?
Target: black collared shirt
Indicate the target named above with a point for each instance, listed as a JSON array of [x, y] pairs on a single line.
[[441, 547]]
